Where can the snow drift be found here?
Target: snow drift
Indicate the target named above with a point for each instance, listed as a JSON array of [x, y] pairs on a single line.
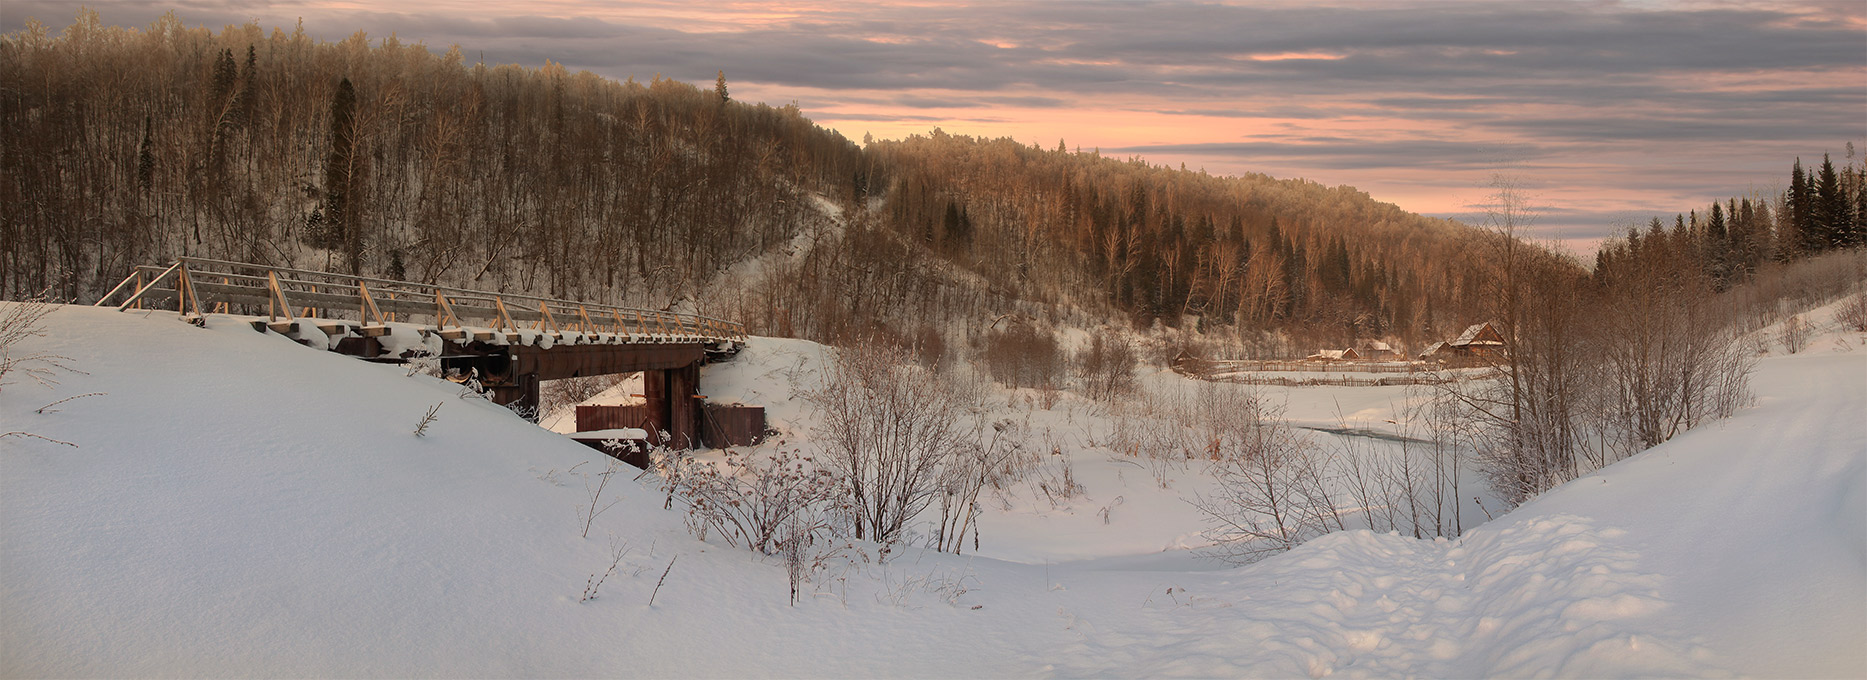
[[239, 505]]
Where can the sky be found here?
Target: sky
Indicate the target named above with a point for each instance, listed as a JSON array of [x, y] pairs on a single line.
[[1604, 113]]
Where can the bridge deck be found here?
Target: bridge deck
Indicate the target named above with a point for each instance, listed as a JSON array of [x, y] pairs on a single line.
[[286, 295]]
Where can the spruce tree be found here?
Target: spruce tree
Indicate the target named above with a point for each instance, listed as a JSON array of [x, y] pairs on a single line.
[[1716, 245], [1830, 207], [145, 160], [243, 103], [1858, 226], [342, 226], [1798, 206]]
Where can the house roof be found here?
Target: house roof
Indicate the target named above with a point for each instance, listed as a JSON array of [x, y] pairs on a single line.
[[1349, 353], [1471, 335], [1433, 348]]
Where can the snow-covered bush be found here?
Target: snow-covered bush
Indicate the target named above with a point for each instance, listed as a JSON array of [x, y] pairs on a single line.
[[586, 513], [985, 459], [1271, 493], [1415, 489], [1853, 313], [1023, 356], [19, 321], [1794, 334], [764, 500], [1105, 369]]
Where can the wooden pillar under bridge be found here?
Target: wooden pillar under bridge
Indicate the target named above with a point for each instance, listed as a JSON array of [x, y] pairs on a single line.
[[521, 395], [673, 405], [684, 407], [655, 393]]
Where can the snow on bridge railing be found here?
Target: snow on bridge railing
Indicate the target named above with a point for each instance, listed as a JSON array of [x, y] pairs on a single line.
[[194, 284]]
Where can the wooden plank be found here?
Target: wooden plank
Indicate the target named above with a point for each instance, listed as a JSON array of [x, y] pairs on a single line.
[[504, 321], [368, 309], [222, 307], [443, 313], [275, 303], [135, 276], [544, 317], [141, 289], [190, 302]]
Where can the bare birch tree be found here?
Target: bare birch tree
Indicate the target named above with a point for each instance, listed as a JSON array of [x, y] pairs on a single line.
[[888, 426]]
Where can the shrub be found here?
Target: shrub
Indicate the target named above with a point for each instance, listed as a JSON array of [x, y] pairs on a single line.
[[763, 503], [1022, 356], [1795, 335], [888, 426], [1853, 313], [1106, 368]]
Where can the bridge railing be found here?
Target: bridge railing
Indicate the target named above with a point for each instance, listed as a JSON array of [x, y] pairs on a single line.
[[194, 286]]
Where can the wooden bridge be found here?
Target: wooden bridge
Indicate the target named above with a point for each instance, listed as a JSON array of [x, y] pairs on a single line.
[[509, 342]]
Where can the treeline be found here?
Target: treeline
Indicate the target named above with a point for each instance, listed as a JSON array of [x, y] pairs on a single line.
[[1731, 241], [125, 147], [1168, 245]]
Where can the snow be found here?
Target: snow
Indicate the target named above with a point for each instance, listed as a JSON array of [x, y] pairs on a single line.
[[238, 504], [616, 433]]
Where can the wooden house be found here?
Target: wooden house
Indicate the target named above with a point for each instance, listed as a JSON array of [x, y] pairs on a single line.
[[1481, 343], [1376, 350], [1335, 355], [1480, 340]]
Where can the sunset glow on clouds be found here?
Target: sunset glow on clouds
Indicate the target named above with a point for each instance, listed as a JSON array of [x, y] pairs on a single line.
[[1606, 112]]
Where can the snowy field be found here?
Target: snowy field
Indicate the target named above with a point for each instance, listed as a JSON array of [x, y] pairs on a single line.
[[237, 504]]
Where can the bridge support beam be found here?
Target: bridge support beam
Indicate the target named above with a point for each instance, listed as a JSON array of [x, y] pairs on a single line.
[[670, 378], [674, 404], [521, 395]]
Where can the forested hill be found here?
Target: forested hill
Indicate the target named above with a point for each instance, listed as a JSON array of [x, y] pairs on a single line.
[[132, 146]]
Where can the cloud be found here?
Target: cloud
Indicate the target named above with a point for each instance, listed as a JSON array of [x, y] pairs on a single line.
[[1349, 153], [928, 102], [1675, 128]]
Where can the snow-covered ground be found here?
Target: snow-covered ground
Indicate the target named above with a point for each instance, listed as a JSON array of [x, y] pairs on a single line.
[[239, 505]]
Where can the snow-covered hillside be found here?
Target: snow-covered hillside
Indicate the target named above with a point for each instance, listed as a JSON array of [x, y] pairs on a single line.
[[239, 505]]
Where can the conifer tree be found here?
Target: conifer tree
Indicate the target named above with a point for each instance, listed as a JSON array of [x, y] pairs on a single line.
[[1858, 229], [1716, 246], [145, 160], [1830, 208], [243, 104], [1798, 204], [339, 172]]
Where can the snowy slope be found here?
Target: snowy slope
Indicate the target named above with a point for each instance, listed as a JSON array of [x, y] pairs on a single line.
[[239, 505]]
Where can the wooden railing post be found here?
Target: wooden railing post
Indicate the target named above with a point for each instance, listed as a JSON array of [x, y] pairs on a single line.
[[188, 299], [275, 298], [367, 310]]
